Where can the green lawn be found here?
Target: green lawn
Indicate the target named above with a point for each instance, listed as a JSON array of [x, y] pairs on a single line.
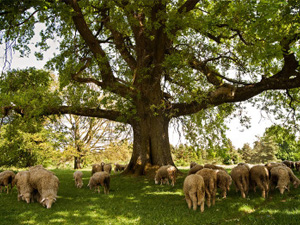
[[137, 200]]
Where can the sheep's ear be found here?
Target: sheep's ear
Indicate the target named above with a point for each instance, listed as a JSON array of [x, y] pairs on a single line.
[[54, 199], [42, 200]]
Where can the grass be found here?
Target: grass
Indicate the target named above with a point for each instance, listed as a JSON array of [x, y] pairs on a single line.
[[137, 200]]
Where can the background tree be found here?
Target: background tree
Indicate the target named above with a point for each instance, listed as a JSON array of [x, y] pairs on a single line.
[[158, 60], [246, 152], [288, 146]]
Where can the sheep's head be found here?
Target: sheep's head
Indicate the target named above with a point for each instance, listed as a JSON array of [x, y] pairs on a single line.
[[47, 202], [282, 189], [80, 184], [156, 180], [25, 197]]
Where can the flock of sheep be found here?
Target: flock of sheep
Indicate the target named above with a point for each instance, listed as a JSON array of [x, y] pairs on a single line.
[[201, 183], [41, 185]]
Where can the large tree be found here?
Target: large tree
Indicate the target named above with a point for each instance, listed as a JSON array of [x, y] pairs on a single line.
[[158, 60]]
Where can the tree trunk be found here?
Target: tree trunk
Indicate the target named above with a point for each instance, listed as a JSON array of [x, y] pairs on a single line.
[[77, 162], [151, 145]]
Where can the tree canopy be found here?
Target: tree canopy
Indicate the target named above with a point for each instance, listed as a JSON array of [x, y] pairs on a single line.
[[157, 60]]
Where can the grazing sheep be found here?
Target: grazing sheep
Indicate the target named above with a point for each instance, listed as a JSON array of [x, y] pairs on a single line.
[[279, 178], [294, 180], [259, 176], [194, 191], [240, 177], [106, 167], [7, 177], [119, 167], [289, 163], [24, 188], [78, 179], [164, 173], [96, 168], [297, 165], [214, 167], [210, 181], [100, 179], [195, 169], [46, 183], [192, 164], [224, 181]]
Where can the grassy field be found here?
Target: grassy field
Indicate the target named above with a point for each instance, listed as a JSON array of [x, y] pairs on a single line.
[[137, 200]]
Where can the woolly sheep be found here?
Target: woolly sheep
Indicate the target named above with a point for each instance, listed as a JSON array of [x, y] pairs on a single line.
[[46, 183], [214, 167], [23, 186], [7, 177], [164, 173], [194, 191], [289, 164], [259, 176], [192, 164], [100, 179], [106, 167], [119, 167], [195, 169], [96, 168], [297, 165], [224, 181], [240, 177], [78, 179], [210, 181], [279, 178]]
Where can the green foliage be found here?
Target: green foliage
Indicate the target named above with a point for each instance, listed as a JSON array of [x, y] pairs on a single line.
[[286, 140], [137, 200], [26, 144]]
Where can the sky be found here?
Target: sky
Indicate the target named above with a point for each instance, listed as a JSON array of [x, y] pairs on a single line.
[[237, 134]]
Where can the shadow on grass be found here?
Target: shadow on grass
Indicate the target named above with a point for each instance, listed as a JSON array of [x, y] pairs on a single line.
[[137, 200]]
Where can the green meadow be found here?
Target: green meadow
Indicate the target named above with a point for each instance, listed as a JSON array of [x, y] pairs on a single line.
[[137, 200]]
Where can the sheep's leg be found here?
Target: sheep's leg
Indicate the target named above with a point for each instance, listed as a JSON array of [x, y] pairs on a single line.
[[224, 193], [260, 185], [194, 199], [208, 199], [188, 200]]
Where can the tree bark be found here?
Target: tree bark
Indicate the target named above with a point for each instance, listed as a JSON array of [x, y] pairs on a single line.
[[150, 144]]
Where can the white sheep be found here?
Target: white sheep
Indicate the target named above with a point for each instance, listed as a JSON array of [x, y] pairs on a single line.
[[106, 167], [259, 176], [78, 179], [279, 178], [210, 181], [46, 183], [194, 191], [24, 188], [224, 181], [240, 176], [7, 178], [100, 179], [164, 173]]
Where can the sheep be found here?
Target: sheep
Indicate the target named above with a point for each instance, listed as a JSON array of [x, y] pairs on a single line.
[[100, 179], [297, 165], [46, 183], [78, 179], [279, 177], [195, 169], [194, 191], [192, 164], [7, 177], [96, 168], [293, 179], [23, 186], [224, 181], [244, 164], [164, 173], [210, 181], [119, 167], [289, 163], [240, 177], [214, 167], [106, 167], [259, 176]]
